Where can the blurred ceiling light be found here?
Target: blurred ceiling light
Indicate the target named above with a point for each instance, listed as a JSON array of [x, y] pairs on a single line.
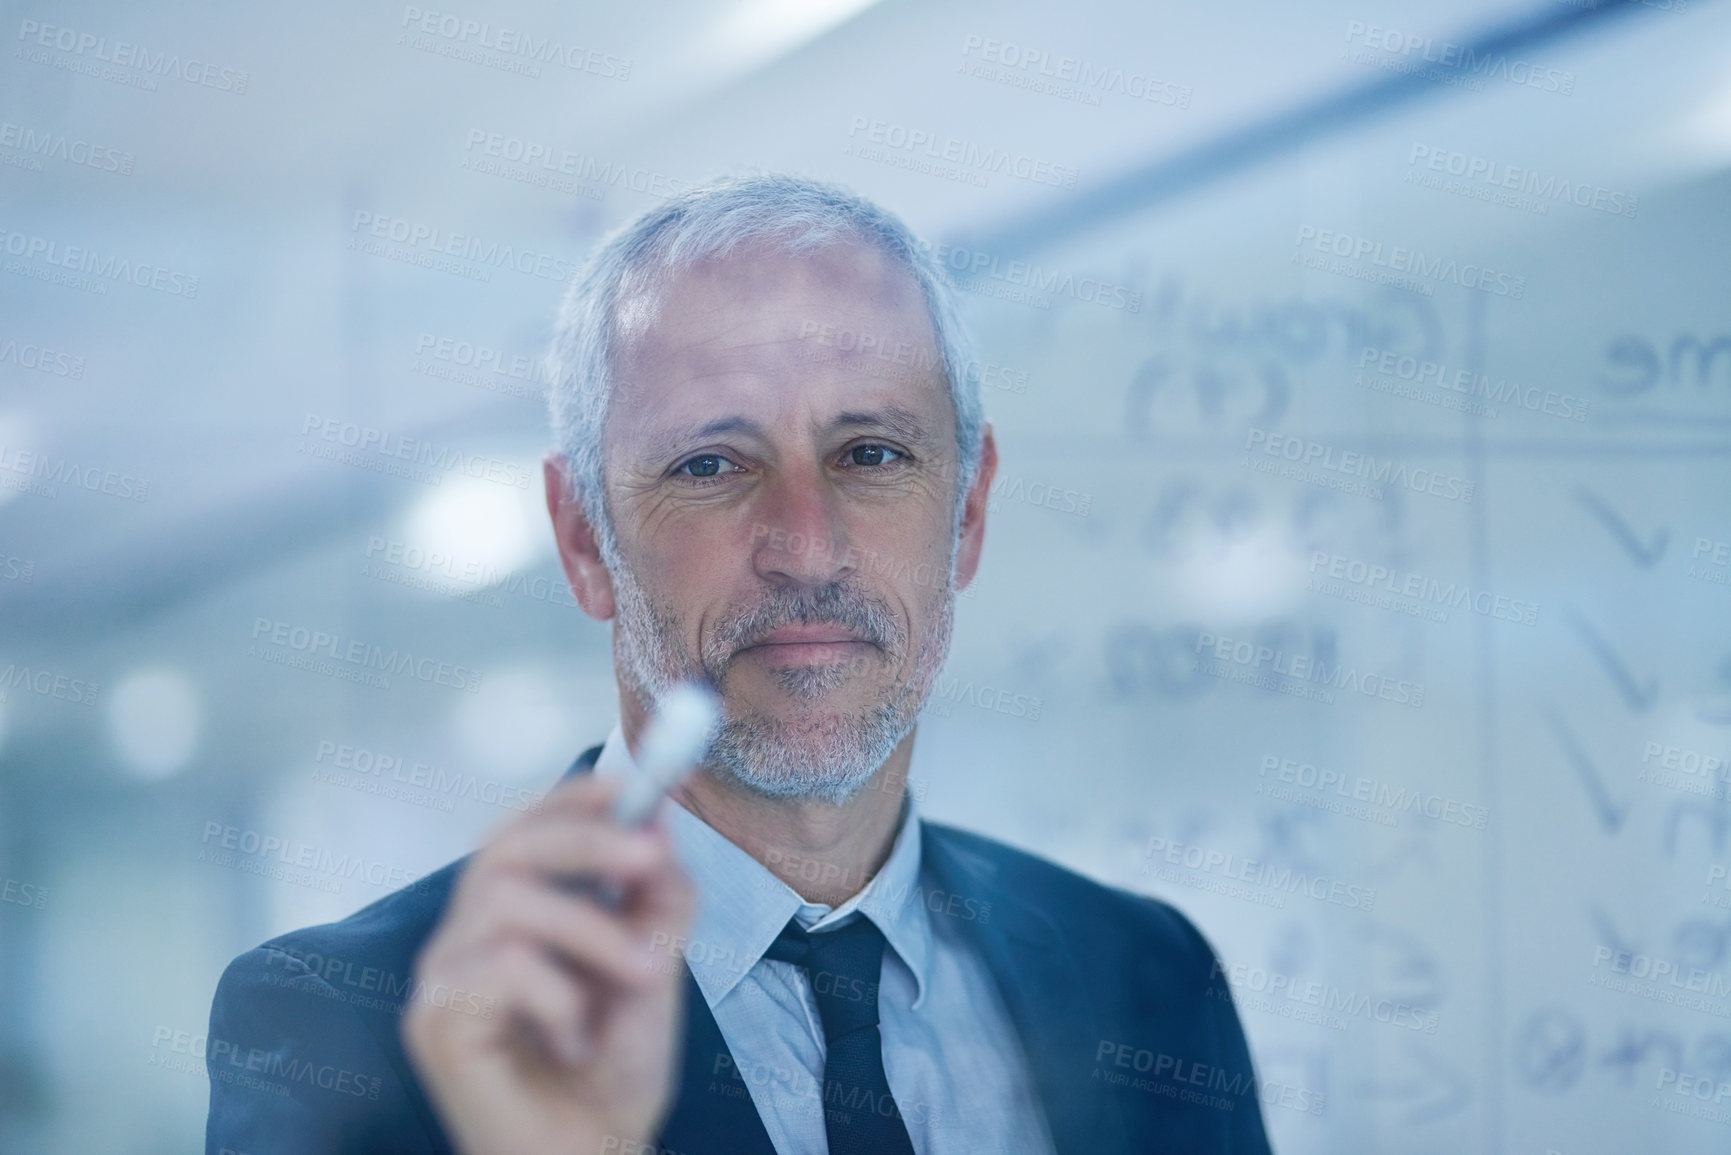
[[522, 724], [1239, 578], [1705, 134], [758, 31], [16, 433], [154, 719], [485, 528]]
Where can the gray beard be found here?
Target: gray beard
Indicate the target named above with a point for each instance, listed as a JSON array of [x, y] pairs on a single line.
[[826, 758]]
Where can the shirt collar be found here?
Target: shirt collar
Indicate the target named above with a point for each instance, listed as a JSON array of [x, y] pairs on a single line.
[[742, 905]]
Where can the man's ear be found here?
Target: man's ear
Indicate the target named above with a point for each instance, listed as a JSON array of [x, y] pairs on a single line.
[[579, 552], [973, 527]]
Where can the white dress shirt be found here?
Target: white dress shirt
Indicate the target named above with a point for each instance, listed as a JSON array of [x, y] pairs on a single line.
[[954, 1062]]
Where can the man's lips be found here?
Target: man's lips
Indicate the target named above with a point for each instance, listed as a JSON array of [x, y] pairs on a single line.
[[807, 642], [807, 635]]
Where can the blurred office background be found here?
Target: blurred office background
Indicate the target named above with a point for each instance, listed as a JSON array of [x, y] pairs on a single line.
[[1362, 377]]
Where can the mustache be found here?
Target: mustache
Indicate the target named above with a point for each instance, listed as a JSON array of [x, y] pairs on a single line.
[[834, 604]]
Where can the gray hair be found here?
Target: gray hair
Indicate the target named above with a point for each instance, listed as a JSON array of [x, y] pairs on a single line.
[[793, 215]]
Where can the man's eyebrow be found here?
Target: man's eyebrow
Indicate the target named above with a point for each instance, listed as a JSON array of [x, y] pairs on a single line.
[[891, 418], [674, 440]]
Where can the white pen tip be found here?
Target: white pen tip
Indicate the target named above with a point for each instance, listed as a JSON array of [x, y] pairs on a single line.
[[685, 719]]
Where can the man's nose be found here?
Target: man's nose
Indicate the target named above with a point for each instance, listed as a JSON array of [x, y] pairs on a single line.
[[802, 538]]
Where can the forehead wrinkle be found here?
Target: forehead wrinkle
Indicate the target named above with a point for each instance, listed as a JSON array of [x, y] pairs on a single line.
[[740, 346], [858, 271]]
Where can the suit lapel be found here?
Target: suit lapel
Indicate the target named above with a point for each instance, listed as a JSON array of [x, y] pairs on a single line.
[[1045, 992], [713, 1111]]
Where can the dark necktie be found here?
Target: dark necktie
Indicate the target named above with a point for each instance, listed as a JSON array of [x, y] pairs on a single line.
[[860, 1117]]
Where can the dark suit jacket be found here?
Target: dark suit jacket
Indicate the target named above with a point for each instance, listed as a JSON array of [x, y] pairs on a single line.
[[1130, 1034]]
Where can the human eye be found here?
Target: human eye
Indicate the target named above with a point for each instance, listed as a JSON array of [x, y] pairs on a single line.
[[706, 465], [871, 455]]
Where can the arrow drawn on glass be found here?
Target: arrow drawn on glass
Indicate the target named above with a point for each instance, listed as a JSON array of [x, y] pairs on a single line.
[[1638, 696], [1646, 556], [1610, 814]]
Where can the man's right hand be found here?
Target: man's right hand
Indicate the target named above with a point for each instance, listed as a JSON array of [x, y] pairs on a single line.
[[581, 1045]]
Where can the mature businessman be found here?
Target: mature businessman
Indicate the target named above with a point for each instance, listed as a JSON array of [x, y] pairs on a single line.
[[772, 475]]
